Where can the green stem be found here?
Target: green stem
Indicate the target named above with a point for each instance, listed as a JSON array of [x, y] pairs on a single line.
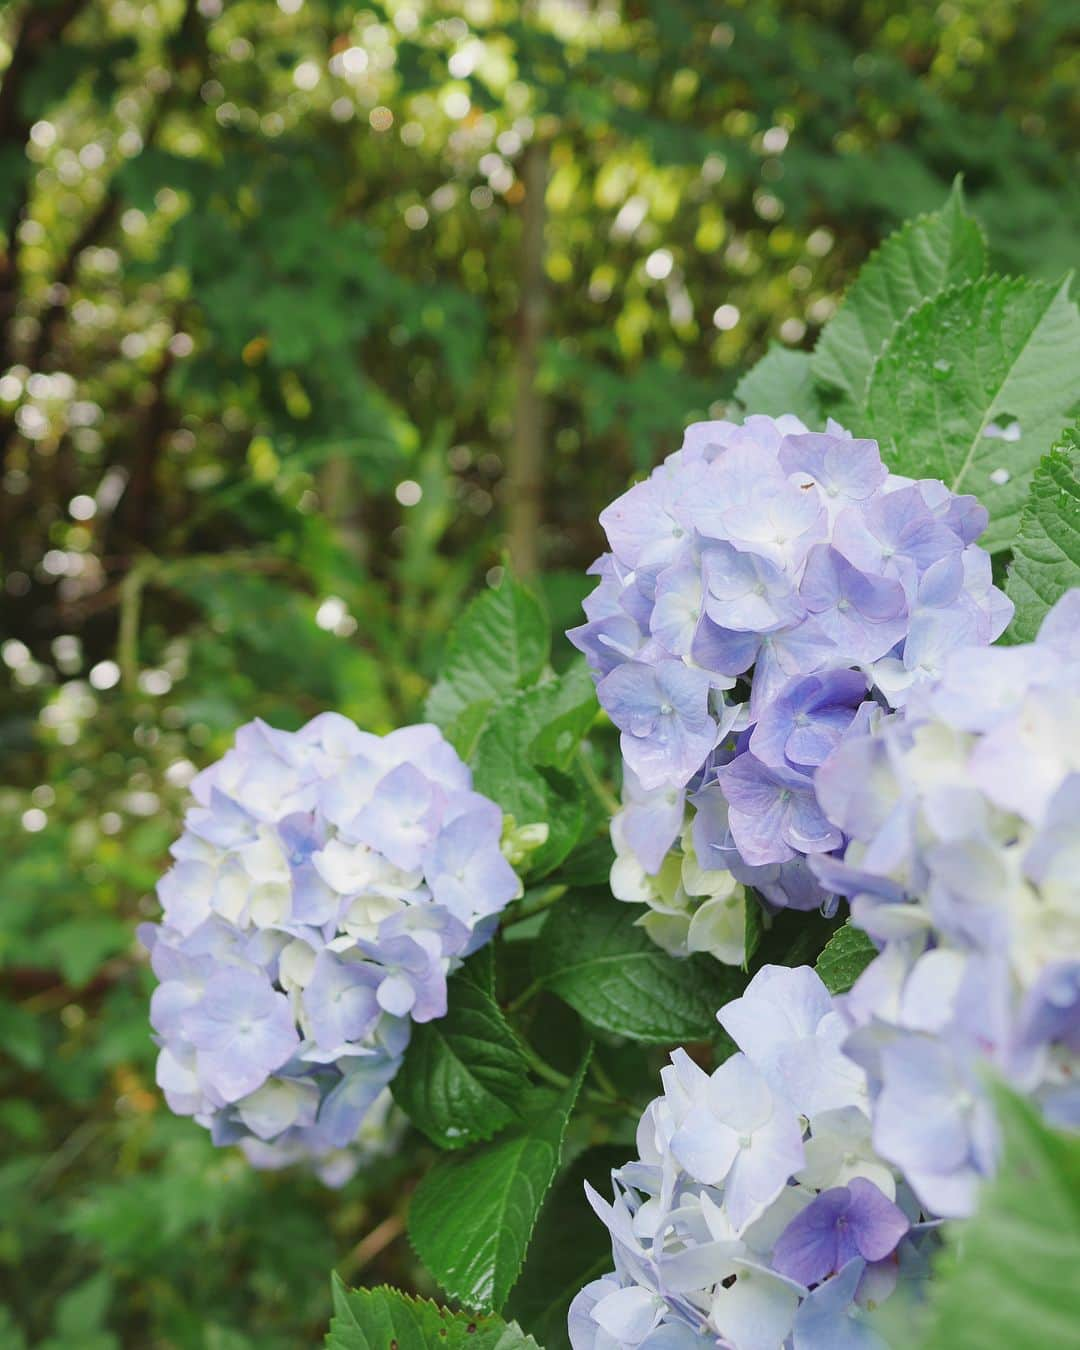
[[127, 640], [603, 1080], [527, 908], [527, 994], [602, 792], [542, 1068]]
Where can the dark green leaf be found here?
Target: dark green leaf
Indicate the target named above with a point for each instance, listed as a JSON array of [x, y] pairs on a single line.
[[79, 947], [590, 863], [499, 645], [1046, 555], [792, 938], [921, 259], [384, 1319], [991, 357], [568, 712], [22, 1035], [595, 958], [509, 768], [463, 1076], [847, 954], [782, 382], [472, 1217], [556, 1269]]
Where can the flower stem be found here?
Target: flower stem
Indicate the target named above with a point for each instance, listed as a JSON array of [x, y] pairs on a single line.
[[601, 791]]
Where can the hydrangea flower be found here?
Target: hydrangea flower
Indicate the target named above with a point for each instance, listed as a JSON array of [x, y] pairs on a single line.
[[757, 1215], [768, 591], [963, 864], [326, 883]]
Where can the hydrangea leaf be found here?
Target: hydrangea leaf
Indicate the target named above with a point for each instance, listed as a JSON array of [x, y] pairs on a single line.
[[499, 645], [473, 1215], [847, 954], [792, 937], [597, 960], [557, 1269], [1008, 1276], [569, 712], [782, 382], [1046, 555], [975, 386], [463, 1076], [376, 1319], [590, 863], [80, 947], [515, 754], [920, 260]]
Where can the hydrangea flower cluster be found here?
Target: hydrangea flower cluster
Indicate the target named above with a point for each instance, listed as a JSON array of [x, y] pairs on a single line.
[[325, 884], [964, 865], [767, 587], [758, 1214]]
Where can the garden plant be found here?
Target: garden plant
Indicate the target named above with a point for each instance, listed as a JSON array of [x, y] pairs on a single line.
[[841, 888], [540, 612]]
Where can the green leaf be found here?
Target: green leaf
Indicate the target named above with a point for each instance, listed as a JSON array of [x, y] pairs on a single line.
[[80, 947], [977, 360], [792, 937], [500, 645], [847, 954], [568, 712], [463, 1077], [378, 1319], [556, 1269], [1046, 555], [472, 1217], [782, 382], [513, 758], [1008, 1275], [596, 959], [920, 260], [22, 1035]]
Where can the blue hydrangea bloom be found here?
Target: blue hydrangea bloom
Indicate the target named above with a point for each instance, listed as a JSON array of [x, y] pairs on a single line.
[[757, 1214], [767, 591], [963, 864], [326, 883]]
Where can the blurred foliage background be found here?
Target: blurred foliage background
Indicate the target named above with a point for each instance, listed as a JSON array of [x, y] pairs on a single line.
[[310, 313]]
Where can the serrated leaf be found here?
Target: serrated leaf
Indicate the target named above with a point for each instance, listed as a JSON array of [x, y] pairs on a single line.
[[792, 937], [985, 357], [472, 1217], [378, 1319], [499, 645], [1046, 555], [569, 712], [847, 954], [782, 382], [464, 730], [920, 260], [556, 1269], [509, 763], [1008, 1276], [590, 863], [463, 1077], [597, 960]]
